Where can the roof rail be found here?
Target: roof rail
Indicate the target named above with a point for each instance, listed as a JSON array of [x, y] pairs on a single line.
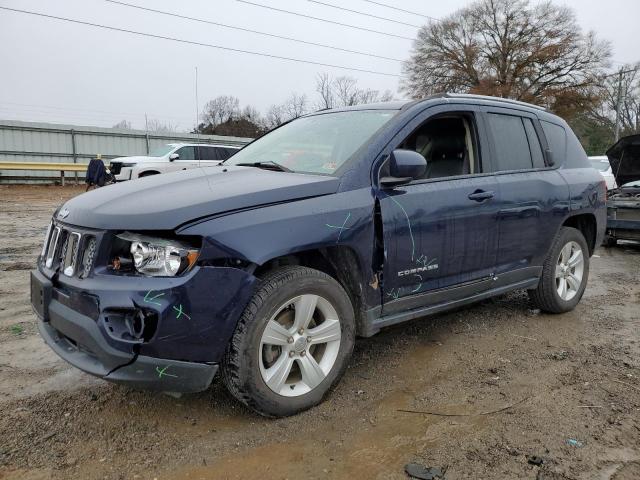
[[493, 99]]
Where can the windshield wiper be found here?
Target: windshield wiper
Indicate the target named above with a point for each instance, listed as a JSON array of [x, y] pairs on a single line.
[[268, 165]]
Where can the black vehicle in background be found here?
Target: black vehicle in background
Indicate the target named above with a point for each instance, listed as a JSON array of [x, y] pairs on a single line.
[[623, 203]]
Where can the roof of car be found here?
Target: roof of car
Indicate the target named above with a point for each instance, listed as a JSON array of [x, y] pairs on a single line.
[[447, 97]]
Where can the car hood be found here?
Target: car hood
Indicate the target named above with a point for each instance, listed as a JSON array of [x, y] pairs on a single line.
[[624, 157], [164, 202]]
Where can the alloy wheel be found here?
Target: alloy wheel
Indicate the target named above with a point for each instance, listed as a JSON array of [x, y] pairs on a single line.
[[299, 345], [569, 270]]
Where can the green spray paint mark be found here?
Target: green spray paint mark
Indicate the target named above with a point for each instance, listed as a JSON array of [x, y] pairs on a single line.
[[180, 312], [148, 299], [342, 227], [161, 372], [413, 243]]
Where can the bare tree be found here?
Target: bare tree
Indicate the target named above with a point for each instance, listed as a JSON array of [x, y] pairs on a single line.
[[509, 48], [295, 106], [275, 117], [624, 89], [324, 87], [220, 110], [123, 125], [251, 114], [344, 92], [158, 126]]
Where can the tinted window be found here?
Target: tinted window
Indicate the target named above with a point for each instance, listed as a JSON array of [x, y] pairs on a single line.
[[208, 153], [510, 139], [230, 151], [557, 140], [534, 143], [223, 153], [187, 153]]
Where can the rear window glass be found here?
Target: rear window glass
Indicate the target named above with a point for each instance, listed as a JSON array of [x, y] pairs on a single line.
[[512, 145], [556, 138]]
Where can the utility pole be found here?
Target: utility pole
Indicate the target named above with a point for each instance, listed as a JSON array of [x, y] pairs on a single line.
[[197, 109], [619, 100]]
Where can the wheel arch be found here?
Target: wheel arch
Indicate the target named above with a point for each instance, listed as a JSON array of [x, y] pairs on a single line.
[[146, 173], [339, 262], [587, 224]]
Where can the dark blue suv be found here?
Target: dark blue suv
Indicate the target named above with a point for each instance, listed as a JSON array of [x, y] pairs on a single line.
[[334, 225]]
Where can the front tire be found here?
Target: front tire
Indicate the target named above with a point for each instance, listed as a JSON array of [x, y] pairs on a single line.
[[564, 273], [292, 343]]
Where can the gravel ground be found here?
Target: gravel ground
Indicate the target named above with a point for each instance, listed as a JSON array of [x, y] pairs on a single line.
[[501, 384]]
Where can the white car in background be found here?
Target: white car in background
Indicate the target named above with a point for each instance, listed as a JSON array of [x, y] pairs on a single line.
[[170, 158], [602, 165]]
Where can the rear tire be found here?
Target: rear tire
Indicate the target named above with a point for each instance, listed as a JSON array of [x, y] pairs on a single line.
[[564, 273], [287, 351]]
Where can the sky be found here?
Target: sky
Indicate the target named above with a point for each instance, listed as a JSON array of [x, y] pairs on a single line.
[[59, 72]]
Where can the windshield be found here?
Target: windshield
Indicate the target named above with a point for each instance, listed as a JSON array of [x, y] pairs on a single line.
[[162, 151], [315, 144], [601, 165]]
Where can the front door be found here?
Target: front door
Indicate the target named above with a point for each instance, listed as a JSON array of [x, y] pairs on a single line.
[[186, 160], [440, 231]]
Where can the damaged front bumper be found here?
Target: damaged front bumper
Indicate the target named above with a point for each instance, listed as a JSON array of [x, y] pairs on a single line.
[[98, 324]]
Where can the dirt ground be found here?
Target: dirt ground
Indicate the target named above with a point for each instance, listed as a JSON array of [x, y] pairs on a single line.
[[503, 383]]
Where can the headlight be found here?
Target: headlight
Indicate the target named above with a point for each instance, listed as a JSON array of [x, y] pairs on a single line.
[[128, 165], [159, 257]]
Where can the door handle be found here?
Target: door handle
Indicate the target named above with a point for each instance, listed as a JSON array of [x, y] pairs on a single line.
[[480, 195]]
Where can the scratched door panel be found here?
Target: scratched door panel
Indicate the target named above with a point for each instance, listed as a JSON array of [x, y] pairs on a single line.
[[436, 236]]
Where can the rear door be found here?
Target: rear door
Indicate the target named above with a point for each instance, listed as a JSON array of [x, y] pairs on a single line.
[[533, 196], [440, 234]]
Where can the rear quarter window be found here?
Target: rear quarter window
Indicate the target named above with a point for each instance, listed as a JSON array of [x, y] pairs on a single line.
[[557, 140]]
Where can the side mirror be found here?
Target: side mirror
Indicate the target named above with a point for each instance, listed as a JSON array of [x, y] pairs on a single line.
[[404, 166], [174, 156]]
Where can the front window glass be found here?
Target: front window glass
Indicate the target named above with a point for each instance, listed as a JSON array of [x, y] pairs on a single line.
[[187, 153], [161, 151], [315, 144]]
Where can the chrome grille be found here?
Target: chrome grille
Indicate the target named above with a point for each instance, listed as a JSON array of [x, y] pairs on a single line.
[[70, 258], [69, 251], [52, 247]]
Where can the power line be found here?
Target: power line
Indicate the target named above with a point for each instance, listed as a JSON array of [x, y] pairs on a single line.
[[190, 42], [401, 10], [363, 13], [273, 35], [324, 20], [86, 111]]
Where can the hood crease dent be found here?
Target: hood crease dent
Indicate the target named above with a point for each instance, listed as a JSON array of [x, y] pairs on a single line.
[[164, 202]]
